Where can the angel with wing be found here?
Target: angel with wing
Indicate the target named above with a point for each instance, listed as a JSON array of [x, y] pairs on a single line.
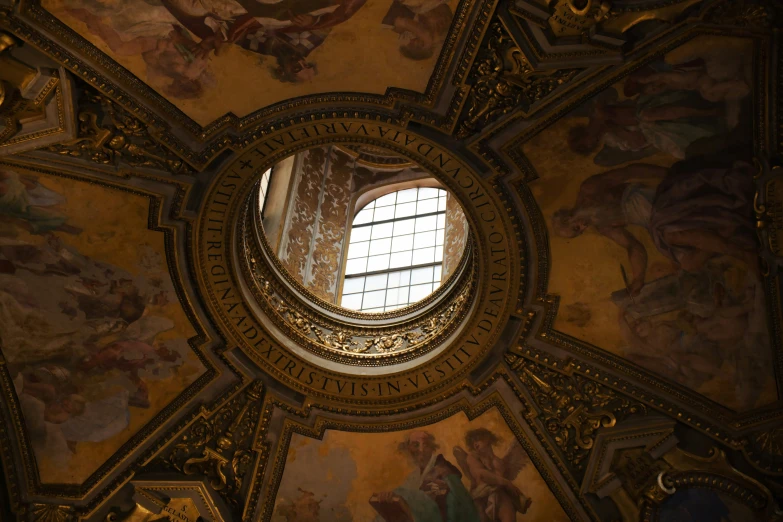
[[491, 477]]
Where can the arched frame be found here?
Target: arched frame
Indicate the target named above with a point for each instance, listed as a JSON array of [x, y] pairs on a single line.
[[215, 249]]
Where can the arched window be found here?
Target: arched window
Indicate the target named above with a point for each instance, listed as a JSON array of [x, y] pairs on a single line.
[[395, 252], [263, 189]]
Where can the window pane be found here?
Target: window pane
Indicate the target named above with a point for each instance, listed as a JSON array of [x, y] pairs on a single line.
[[358, 249], [426, 206], [421, 275], [373, 310], [440, 237], [405, 210], [384, 214], [400, 243], [384, 230], [353, 285], [442, 221], [419, 292], [391, 297], [394, 280], [360, 234], [380, 246], [427, 193], [375, 282], [424, 239], [400, 259], [374, 299], [378, 263], [404, 227], [402, 295], [405, 278], [439, 254], [365, 216], [438, 271], [388, 199], [426, 223], [406, 195], [352, 302], [442, 203], [356, 266]]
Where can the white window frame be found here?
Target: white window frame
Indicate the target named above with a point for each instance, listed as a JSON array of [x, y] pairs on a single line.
[[407, 226]]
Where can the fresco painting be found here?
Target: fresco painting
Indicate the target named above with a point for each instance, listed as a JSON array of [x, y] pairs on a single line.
[[196, 52], [91, 330], [456, 470], [668, 274]]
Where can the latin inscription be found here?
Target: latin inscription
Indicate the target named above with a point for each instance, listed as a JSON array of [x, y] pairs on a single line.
[[228, 191]]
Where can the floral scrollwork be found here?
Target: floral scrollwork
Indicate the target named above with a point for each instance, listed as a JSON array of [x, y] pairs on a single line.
[[572, 407], [502, 80], [339, 340]]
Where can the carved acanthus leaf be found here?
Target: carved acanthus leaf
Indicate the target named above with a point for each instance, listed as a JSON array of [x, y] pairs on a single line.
[[572, 407], [502, 80], [110, 135]]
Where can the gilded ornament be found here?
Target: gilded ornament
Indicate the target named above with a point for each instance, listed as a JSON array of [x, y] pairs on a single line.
[[503, 80], [573, 408], [219, 446], [52, 513], [770, 442], [109, 135]]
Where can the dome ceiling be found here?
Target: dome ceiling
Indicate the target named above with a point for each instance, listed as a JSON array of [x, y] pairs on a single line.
[[607, 348]]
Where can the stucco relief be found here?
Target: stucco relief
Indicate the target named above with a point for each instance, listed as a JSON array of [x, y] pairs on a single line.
[[456, 236], [324, 266], [298, 231]]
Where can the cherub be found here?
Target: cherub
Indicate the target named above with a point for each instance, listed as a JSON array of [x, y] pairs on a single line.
[[491, 477]]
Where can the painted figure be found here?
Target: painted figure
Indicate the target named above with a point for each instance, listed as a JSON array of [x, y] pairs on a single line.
[[432, 493], [699, 208], [422, 24], [289, 31], [79, 336], [680, 110], [491, 477], [149, 30], [29, 204]]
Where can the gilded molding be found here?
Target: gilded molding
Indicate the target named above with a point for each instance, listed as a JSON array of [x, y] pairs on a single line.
[[219, 445], [572, 408], [110, 135], [503, 80]]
